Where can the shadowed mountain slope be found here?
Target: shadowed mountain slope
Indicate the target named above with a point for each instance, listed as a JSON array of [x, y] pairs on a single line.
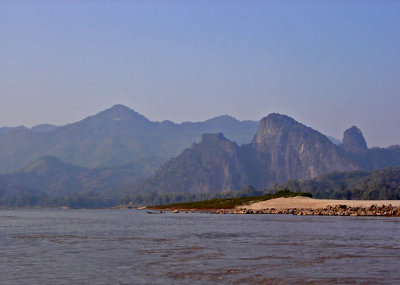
[[211, 165]]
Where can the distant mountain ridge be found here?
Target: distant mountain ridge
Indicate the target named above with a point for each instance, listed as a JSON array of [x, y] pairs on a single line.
[[43, 128], [113, 137]]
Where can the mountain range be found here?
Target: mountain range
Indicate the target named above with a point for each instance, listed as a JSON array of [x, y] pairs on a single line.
[[116, 152]]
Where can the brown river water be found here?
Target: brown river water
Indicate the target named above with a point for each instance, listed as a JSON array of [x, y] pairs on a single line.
[[133, 247]]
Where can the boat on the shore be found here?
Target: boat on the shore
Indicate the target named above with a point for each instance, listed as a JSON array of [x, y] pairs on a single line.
[[154, 212]]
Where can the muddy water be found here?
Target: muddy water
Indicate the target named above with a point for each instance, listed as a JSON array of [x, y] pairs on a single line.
[[133, 247]]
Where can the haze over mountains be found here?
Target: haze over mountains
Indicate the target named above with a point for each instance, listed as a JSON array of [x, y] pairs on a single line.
[[115, 153], [49, 178], [112, 137]]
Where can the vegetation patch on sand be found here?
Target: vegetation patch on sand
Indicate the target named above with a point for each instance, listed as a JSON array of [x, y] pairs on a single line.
[[229, 203]]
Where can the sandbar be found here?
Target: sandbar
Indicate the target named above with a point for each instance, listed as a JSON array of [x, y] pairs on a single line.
[[310, 203]]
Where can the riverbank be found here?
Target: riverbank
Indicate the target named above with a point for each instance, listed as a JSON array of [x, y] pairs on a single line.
[[307, 206], [304, 206], [337, 210]]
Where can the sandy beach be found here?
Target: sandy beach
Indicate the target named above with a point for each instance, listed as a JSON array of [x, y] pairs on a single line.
[[310, 203]]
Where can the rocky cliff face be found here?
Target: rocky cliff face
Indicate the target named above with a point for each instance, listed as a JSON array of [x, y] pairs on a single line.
[[355, 147], [353, 140], [296, 151], [282, 149]]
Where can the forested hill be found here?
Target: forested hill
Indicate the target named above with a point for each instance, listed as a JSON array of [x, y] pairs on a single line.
[[52, 182], [382, 184]]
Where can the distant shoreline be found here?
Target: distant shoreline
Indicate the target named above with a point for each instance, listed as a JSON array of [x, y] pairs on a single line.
[[299, 205]]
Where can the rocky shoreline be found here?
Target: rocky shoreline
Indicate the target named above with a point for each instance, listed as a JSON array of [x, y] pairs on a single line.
[[336, 210]]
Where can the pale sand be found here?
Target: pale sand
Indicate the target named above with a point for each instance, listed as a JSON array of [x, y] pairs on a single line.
[[309, 203]]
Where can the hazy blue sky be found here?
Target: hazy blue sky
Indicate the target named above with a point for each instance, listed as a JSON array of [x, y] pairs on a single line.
[[328, 64]]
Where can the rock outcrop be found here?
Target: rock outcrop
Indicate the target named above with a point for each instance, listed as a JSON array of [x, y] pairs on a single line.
[[296, 151], [353, 140]]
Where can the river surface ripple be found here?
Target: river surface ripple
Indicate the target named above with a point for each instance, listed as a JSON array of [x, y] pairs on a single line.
[[133, 247]]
